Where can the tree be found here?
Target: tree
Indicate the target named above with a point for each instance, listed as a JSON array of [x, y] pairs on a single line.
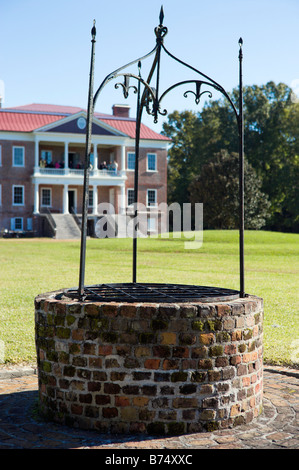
[[217, 187], [271, 142], [182, 159]]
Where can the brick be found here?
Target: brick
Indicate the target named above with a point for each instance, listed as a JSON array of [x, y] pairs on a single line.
[[229, 323], [111, 388], [141, 375], [118, 376], [128, 311], [105, 350], [78, 334], [235, 410], [161, 351], [149, 390], [76, 409], [122, 401], [89, 348], [142, 351], [169, 364], [187, 338], [179, 376], [95, 362], [185, 403], [152, 364], [207, 415], [230, 349], [180, 351], [168, 338], [207, 338], [140, 401], [110, 310], [109, 412], [103, 399], [94, 386], [199, 353], [223, 310], [129, 413]]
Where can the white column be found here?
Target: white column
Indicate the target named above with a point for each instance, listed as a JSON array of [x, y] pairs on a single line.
[[95, 200], [65, 200], [95, 157], [122, 200], [66, 155], [36, 154], [36, 199], [123, 160]]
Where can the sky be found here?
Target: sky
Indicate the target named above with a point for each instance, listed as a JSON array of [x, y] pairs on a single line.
[[45, 47]]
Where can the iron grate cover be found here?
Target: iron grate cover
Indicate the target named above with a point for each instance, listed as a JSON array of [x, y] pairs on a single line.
[[151, 292]]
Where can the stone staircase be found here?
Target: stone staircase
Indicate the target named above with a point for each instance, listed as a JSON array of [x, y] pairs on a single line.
[[66, 227]]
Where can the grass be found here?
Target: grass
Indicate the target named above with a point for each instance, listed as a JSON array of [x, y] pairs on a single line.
[[33, 266]]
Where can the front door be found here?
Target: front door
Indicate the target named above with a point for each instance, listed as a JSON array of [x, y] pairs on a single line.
[[72, 200]]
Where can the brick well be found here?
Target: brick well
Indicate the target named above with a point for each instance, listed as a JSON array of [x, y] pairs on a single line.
[[149, 368]]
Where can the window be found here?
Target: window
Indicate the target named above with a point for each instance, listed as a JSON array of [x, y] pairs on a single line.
[[18, 156], [151, 197], [47, 156], [18, 195], [17, 223], [131, 161], [151, 162], [29, 224], [90, 198], [130, 196], [46, 197]]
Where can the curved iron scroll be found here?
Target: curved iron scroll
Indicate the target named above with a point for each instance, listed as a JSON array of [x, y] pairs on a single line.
[[151, 99]]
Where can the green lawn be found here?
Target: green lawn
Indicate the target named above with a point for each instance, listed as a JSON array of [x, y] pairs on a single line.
[[33, 266]]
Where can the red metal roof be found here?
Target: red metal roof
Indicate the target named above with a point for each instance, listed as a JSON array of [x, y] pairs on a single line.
[[30, 117], [127, 126], [23, 122]]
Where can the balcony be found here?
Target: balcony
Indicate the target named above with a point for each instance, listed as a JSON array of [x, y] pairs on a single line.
[[74, 172]]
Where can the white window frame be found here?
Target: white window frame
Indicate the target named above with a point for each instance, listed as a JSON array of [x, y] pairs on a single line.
[[149, 204], [130, 153], [13, 195], [129, 190], [147, 162], [15, 147], [13, 223], [42, 203]]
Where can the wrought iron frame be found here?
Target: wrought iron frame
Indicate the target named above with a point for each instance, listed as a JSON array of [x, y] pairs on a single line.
[[150, 99]]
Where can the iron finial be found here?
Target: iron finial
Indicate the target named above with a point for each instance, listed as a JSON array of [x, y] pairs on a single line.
[[161, 17], [94, 31], [240, 42]]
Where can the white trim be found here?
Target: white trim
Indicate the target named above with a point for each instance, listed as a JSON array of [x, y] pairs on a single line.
[[13, 195]]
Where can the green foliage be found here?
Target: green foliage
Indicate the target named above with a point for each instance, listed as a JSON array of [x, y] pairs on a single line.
[[218, 188], [271, 144]]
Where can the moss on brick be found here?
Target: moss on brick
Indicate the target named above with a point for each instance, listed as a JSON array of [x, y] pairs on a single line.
[[215, 351], [63, 333], [157, 428], [175, 429], [179, 376], [159, 324], [47, 367], [70, 319], [145, 338], [198, 325]]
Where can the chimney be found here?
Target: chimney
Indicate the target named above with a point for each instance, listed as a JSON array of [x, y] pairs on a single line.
[[121, 110]]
